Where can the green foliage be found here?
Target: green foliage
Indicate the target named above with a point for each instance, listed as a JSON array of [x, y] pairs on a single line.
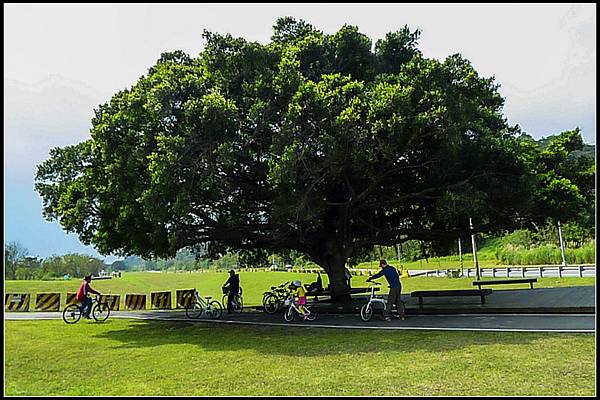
[[548, 255], [18, 265], [14, 254], [312, 143], [75, 265], [525, 247], [564, 172]]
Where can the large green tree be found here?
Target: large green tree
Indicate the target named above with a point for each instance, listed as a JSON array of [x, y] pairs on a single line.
[[321, 144], [565, 178], [14, 254]]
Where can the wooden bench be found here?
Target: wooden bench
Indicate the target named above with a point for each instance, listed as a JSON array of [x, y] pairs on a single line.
[[505, 281], [448, 293]]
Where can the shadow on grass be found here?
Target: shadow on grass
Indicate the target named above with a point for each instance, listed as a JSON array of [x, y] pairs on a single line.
[[307, 342]]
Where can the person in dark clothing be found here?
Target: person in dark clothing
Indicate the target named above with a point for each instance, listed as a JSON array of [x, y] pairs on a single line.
[[347, 276], [393, 279], [234, 288], [316, 286]]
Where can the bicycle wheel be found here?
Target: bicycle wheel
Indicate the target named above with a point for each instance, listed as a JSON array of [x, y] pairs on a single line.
[[224, 299], [100, 312], [312, 314], [366, 312], [71, 314], [288, 315], [271, 304], [193, 310], [216, 309]]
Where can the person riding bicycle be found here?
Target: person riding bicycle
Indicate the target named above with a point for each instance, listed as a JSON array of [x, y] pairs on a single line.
[[82, 295], [393, 278], [234, 288], [300, 292]]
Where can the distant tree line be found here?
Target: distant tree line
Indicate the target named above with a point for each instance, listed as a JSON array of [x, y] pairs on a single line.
[[19, 264]]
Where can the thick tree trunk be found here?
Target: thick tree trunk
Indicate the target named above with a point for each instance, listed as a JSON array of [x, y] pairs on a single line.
[[334, 264], [340, 289]]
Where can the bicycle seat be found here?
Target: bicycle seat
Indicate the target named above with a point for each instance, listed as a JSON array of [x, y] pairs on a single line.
[[207, 297]]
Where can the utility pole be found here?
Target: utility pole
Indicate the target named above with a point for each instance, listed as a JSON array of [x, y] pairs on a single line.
[[460, 256], [562, 247], [474, 250]]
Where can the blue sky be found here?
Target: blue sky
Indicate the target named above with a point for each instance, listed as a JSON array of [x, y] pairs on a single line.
[[62, 61]]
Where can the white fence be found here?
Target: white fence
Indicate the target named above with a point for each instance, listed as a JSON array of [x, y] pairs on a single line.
[[585, 270], [518, 272]]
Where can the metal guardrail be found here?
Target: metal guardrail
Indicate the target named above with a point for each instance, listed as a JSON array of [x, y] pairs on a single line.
[[580, 271]]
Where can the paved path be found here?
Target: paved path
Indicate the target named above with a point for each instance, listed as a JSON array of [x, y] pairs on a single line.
[[576, 299], [582, 323], [565, 309]]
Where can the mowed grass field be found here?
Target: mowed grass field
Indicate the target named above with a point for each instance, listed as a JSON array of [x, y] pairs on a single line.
[[151, 358], [132, 357], [254, 284]]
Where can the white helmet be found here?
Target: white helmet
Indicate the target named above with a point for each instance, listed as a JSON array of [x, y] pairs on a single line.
[[297, 283]]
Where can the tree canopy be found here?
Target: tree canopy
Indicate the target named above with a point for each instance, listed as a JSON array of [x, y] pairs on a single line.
[[317, 143]]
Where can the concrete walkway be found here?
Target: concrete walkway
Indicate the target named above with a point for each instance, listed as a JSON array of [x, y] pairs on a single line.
[[580, 299], [564, 300], [574, 323], [570, 309]]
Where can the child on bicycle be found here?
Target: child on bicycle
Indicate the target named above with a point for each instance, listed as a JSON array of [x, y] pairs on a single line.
[[300, 292], [82, 295]]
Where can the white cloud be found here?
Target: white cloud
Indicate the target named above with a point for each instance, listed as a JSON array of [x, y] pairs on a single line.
[[50, 113], [543, 55]]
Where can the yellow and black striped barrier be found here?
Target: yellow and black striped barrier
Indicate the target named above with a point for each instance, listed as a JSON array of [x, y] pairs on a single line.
[[113, 301], [71, 299], [185, 297], [135, 301], [47, 301], [161, 300], [16, 302]]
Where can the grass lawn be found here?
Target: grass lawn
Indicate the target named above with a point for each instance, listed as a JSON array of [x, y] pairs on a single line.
[[132, 357], [253, 283]]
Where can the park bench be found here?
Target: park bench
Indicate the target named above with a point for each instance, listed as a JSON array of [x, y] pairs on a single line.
[[448, 293], [505, 281]]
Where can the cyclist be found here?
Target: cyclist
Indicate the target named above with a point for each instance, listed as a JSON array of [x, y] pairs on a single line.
[[301, 293], [393, 278], [234, 288], [82, 295]]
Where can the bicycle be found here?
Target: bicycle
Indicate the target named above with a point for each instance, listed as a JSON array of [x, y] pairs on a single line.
[[73, 312], [238, 301], [274, 299], [293, 309], [200, 305], [366, 311]]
